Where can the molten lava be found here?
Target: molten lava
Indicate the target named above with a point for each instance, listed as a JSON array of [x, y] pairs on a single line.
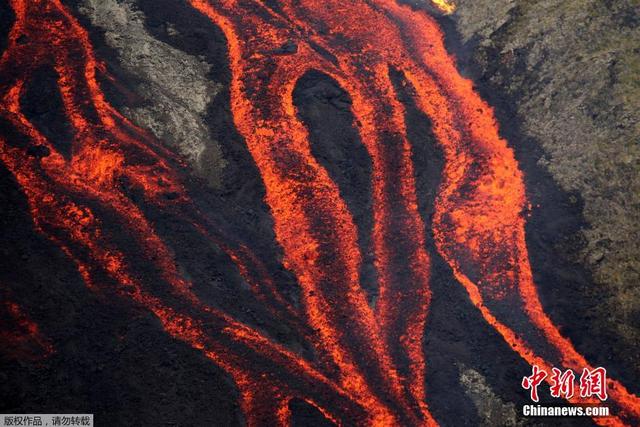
[[368, 366]]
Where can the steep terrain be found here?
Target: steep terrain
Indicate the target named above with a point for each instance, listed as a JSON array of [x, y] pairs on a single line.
[[563, 79], [568, 71]]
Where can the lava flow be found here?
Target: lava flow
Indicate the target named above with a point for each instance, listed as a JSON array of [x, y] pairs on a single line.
[[367, 364]]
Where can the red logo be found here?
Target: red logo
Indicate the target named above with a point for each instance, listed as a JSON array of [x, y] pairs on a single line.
[[531, 383], [592, 383], [562, 383]]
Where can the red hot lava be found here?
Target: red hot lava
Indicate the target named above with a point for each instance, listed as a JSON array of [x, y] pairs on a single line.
[[369, 364]]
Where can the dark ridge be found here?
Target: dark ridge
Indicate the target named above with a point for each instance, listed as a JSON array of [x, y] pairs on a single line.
[[444, 332], [566, 288], [216, 279], [12, 137], [42, 105], [457, 336], [325, 108], [306, 415]]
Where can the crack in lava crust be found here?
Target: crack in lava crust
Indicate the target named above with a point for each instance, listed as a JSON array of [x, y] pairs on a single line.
[[369, 365]]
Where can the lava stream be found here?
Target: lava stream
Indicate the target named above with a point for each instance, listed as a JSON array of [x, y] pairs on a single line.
[[368, 366], [77, 202], [479, 210]]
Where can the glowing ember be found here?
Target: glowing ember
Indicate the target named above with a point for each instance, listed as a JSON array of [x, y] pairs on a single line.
[[20, 336], [369, 365]]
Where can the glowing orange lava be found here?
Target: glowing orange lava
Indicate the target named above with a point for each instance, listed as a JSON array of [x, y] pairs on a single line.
[[369, 364]]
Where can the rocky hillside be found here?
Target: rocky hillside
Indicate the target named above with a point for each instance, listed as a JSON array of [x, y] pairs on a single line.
[[563, 79], [569, 71], [563, 76]]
